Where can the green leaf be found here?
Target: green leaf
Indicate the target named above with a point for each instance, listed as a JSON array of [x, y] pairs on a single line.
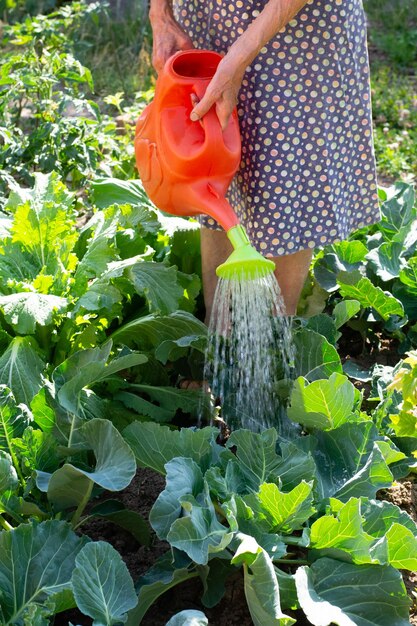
[[326, 269], [199, 534], [155, 445], [348, 460], [408, 276], [44, 225], [261, 585], [21, 369], [285, 512], [103, 587], [402, 547], [354, 285], [379, 516], [232, 482], [24, 310], [344, 311], [185, 250], [258, 461], [163, 575], [214, 576], [43, 415], [159, 284], [332, 592], [108, 191], [174, 349], [8, 475], [251, 521], [16, 506], [183, 477], [188, 618], [150, 331], [37, 451], [323, 325], [351, 252], [294, 466], [323, 404], [398, 213], [256, 454], [114, 511], [287, 588], [13, 419], [114, 470], [100, 251], [36, 565], [343, 531], [164, 401], [387, 260], [315, 357], [87, 367]]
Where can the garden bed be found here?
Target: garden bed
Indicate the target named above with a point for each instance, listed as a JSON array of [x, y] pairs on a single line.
[[233, 609]]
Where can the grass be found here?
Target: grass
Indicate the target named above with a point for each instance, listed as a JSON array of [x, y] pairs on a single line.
[[117, 46], [392, 38]]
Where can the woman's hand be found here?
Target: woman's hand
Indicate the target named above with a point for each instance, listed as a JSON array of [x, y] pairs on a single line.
[[168, 38], [222, 90], [225, 84]]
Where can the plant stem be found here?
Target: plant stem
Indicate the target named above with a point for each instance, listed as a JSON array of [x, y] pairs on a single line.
[[82, 505], [71, 432], [83, 521], [4, 524]]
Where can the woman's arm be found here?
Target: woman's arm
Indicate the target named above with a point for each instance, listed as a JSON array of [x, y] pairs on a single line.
[[225, 84], [168, 36]]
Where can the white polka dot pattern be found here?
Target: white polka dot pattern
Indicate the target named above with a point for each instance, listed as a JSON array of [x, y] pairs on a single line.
[[307, 176]]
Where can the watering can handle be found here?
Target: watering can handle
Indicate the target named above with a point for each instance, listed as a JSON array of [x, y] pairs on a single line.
[[210, 121]]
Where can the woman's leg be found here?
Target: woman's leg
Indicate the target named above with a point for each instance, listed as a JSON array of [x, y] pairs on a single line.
[[291, 270], [215, 248]]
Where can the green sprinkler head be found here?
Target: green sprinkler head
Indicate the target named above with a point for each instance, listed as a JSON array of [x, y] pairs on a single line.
[[245, 263]]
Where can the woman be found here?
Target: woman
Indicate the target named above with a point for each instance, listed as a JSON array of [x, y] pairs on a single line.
[[298, 72]]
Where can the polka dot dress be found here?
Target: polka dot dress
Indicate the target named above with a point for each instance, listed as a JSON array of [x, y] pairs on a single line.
[[307, 176]]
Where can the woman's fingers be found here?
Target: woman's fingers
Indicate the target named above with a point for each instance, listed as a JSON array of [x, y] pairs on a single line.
[[225, 103], [168, 38], [222, 91], [224, 109], [202, 108]]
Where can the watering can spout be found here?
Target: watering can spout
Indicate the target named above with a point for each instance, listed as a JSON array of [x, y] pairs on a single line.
[[209, 201], [245, 262]]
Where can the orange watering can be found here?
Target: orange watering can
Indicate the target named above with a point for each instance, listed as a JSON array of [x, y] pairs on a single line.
[[186, 167]]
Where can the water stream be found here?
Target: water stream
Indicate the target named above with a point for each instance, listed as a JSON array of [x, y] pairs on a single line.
[[249, 353]]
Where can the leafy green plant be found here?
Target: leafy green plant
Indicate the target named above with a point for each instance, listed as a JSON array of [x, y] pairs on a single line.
[[47, 120], [299, 517], [395, 414], [376, 268], [71, 379], [405, 381], [61, 570], [71, 301]]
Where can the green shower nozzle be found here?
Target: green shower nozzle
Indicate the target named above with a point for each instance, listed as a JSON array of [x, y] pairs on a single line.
[[245, 262]]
